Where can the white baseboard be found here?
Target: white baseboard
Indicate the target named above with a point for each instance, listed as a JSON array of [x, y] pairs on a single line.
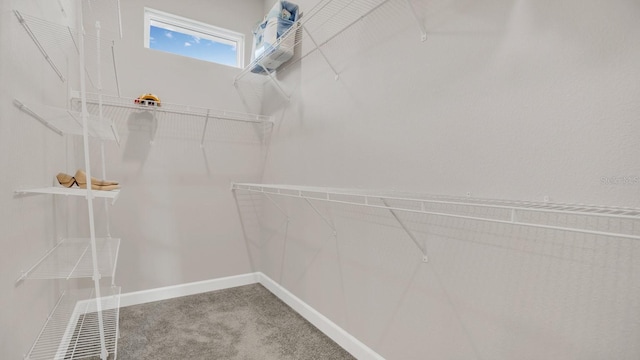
[[198, 287], [347, 341]]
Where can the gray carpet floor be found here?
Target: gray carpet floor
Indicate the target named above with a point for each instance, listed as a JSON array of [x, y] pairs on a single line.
[[246, 322]]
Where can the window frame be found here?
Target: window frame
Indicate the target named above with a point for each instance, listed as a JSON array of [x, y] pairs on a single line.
[[194, 28]]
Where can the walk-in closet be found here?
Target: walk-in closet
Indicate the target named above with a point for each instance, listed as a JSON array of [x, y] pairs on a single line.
[[320, 179]]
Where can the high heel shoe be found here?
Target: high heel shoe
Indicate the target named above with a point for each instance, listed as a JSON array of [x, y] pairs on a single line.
[[81, 179], [66, 180]]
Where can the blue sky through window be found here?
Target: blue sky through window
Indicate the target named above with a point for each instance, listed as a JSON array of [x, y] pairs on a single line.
[[195, 47]]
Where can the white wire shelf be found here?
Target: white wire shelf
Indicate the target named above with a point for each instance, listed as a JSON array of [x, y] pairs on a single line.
[[73, 331], [72, 258], [67, 121], [55, 190], [168, 108], [316, 28], [587, 219], [186, 120], [57, 43]]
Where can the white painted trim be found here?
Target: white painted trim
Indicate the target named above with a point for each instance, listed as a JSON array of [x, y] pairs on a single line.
[[354, 346], [174, 291]]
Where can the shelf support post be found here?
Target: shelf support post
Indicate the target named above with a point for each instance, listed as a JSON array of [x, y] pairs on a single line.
[[335, 73], [406, 230], [204, 129], [101, 116], [423, 31], [92, 233]]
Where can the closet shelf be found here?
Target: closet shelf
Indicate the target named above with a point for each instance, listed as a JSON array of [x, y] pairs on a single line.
[[67, 121], [55, 190], [180, 120], [587, 219], [72, 330], [57, 43], [83, 324], [72, 258], [127, 104], [316, 28]]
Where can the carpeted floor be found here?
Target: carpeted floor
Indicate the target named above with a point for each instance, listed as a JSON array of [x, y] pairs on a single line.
[[246, 322]]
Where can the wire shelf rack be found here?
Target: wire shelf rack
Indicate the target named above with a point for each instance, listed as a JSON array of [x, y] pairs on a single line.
[[77, 329], [55, 190], [68, 121], [168, 108], [58, 43], [597, 220], [72, 329], [72, 258], [191, 121], [315, 29]]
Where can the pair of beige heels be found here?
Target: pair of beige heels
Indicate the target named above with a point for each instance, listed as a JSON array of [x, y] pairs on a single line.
[[80, 179]]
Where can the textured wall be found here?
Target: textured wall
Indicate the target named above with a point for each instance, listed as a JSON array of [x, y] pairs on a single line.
[[506, 99]]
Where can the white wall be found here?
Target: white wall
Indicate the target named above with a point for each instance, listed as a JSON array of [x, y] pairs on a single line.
[[176, 215], [506, 99]]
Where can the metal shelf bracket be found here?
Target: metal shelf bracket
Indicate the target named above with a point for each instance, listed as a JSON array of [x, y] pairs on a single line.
[[277, 206], [335, 73], [326, 221], [275, 83], [33, 37], [413, 238]]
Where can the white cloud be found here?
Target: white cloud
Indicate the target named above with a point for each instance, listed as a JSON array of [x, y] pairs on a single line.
[[168, 34], [196, 39], [187, 44]]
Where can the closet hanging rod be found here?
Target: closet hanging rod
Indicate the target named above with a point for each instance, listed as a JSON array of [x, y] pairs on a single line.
[[365, 198]]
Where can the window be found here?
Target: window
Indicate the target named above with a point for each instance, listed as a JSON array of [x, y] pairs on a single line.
[[190, 38]]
